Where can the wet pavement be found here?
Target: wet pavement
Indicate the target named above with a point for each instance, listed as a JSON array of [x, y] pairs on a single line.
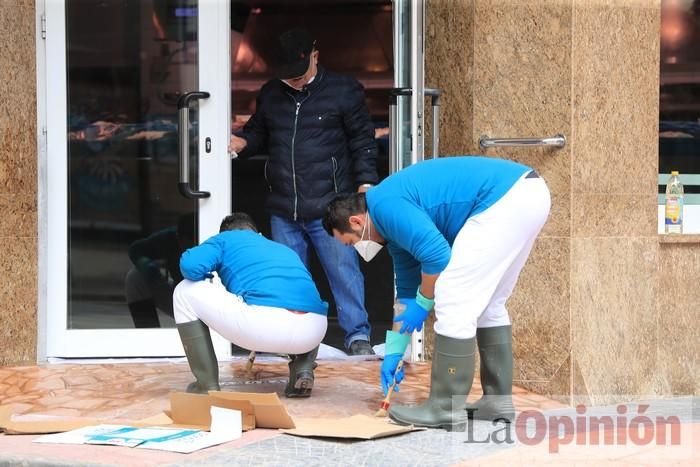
[[133, 391]]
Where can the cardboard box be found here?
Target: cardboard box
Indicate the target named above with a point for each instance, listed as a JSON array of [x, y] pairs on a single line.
[[267, 407], [193, 410]]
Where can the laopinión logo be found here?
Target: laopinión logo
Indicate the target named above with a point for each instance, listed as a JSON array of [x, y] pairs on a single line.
[[609, 426]]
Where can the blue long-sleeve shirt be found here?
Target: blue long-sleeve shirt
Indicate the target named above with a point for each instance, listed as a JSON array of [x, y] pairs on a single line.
[[420, 210], [261, 271]]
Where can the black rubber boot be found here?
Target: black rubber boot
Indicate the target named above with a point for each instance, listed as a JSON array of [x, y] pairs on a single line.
[[144, 314], [451, 375], [496, 354], [301, 374], [200, 355]]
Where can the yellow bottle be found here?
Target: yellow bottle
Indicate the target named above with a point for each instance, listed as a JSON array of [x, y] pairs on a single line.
[[674, 204]]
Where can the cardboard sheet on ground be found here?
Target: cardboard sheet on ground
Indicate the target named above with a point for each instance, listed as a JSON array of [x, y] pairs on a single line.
[[355, 427], [261, 410], [225, 427], [39, 424]]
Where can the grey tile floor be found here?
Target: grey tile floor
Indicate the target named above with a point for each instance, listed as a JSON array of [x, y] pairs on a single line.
[[422, 448]]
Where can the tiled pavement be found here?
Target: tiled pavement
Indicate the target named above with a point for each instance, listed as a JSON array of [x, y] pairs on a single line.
[[134, 391]]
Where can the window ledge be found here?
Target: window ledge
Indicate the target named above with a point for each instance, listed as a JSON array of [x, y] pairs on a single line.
[[679, 238]]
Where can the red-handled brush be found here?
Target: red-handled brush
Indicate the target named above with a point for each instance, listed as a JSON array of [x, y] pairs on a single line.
[[385, 403]]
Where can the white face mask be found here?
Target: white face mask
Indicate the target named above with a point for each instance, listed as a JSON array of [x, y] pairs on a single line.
[[367, 249]]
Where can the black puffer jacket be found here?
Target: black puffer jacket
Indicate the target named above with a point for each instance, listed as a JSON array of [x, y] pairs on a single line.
[[320, 142]]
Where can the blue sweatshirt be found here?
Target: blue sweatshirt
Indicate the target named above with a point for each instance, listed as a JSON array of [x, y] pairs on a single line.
[[420, 210], [251, 266]]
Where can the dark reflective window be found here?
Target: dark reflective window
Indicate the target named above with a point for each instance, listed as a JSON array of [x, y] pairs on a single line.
[[128, 61], [679, 97]]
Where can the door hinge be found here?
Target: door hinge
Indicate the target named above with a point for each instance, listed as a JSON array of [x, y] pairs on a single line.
[[43, 26], [43, 141]]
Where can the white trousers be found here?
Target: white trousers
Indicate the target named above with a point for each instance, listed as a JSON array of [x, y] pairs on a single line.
[[253, 327], [487, 256]]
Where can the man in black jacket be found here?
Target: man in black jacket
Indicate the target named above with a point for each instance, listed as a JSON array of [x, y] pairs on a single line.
[[316, 128]]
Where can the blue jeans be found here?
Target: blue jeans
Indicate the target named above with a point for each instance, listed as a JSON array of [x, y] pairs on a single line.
[[342, 267]]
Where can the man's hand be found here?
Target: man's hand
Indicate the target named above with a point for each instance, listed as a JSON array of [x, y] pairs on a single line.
[[364, 187], [237, 144], [413, 316], [389, 373]]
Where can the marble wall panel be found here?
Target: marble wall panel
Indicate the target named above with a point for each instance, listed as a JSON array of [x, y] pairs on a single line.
[[18, 299], [678, 324], [522, 80], [449, 66], [615, 63], [614, 316], [539, 310], [18, 215], [614, 214], [18, 183], [17, 86]]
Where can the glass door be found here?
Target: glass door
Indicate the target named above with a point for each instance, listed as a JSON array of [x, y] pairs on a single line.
[[132, 181]]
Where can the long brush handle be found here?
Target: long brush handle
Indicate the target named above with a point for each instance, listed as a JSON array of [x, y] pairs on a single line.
[[385, 402], [251, 360]]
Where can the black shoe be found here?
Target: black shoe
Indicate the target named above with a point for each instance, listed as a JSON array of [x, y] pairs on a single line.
[[360, 347], [301, 374]]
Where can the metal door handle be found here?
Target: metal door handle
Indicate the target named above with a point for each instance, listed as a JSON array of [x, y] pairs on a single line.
[[183, 127], [394, 94], [557, 141], [435, 102]]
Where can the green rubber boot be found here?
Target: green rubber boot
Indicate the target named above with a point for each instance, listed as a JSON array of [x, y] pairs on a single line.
[[200, 355], [451, 375], [496, 354], [301, 374]]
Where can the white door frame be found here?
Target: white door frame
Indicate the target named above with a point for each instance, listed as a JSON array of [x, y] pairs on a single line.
[[215, 177]]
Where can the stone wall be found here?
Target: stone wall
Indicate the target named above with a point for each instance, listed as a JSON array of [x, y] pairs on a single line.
[[18, 183]]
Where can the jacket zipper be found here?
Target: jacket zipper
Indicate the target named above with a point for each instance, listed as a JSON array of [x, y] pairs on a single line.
[[335, 169], [267, 180], [294, 171], [294, 136]]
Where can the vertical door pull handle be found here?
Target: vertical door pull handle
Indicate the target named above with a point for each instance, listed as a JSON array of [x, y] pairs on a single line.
[[183, 129]]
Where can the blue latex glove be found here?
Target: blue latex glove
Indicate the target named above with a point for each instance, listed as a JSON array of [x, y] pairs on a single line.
[[387, 372], [413, 316]]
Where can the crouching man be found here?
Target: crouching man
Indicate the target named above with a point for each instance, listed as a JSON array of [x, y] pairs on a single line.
[[266, 301], [459, 230]]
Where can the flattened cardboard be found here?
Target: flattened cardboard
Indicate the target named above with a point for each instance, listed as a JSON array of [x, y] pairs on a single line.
[[225, 427], [58, 425], [355, 427], [269, 410], [186, 411]]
